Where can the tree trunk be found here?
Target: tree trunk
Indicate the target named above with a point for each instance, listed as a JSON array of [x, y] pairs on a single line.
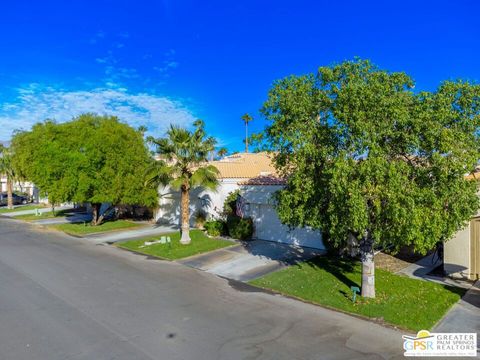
[[246, 137], [185, 239], [95, 213], [9, 193], [368, 266], [105, 213]]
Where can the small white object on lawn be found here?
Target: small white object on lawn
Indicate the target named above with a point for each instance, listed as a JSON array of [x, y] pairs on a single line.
[[163, 240]]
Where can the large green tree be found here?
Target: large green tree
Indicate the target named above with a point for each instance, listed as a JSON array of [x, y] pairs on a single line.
[[91, 159], [7, 169], [367, 157], [186, 154]]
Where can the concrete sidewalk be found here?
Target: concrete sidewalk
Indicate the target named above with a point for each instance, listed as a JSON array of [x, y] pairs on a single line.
[[75, 218], [250, 260], [421, 269], [113, 237], [465, 315], [34, 211]]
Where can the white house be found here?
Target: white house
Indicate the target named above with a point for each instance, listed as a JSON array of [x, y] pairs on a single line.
[[254, 175], [24, 187]]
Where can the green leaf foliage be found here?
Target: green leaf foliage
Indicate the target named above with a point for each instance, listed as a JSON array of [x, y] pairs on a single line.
[[240, 228], [6, 163], [216, 227], [91, 159], [184, 154], [363, 152]]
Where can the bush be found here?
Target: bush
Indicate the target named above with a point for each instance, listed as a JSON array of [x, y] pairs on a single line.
[[215, 227], [230, 203], [239, 228], [200, 219]]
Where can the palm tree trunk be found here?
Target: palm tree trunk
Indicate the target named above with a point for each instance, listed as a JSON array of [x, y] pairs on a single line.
[[9, 193], [246, 137], [185, 239], [101, 218], [368, 266], [95, 213]]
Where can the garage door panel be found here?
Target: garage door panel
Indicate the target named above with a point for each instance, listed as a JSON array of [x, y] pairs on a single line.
[[269, 227]]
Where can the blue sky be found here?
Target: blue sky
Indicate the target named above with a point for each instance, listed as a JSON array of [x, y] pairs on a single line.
[[156, 62]]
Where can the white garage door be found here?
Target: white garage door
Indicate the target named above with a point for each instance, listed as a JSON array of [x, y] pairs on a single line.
[[269, 227]]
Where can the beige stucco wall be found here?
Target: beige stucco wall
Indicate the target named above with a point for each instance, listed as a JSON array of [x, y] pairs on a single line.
[[457, 254]]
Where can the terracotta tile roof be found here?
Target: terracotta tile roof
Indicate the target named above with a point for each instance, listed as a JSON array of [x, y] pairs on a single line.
[[474, 175], [245, 165], [264, 180]]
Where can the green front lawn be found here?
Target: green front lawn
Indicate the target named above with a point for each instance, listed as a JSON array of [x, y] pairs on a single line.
[[44, 215], [402, 301], [4, 209], [200, 244], [86, 228]]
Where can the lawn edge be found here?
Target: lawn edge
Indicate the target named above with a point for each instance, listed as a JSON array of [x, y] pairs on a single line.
[[118, 245], [32, 220], [359, 316], [53, 226], [19, 209], [448, 310]]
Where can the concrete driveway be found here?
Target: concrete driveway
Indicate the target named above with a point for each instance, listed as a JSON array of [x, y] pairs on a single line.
[[250, 259], [65, 298]]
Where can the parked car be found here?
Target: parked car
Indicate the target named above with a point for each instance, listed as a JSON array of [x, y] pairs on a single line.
[[17, 199]]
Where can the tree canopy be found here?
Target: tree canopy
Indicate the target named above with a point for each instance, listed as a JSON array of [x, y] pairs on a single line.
[[365, 155], [91, 159]]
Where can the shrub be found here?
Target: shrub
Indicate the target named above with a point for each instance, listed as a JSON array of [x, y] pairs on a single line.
[[239, 228], [230, 203], [215, 227], [200, 219]]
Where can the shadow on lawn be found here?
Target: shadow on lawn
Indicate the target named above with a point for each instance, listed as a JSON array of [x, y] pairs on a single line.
[[336, 267]]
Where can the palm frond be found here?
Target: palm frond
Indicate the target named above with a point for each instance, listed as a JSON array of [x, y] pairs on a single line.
[[177, 183], [158, 173], [186, 153], [206, 177], [6, 163]]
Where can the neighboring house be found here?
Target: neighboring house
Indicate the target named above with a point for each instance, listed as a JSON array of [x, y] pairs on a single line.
[[461, 256], [23, 187], [254, 175]]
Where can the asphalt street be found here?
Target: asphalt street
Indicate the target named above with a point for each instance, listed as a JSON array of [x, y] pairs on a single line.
[[66, 298]]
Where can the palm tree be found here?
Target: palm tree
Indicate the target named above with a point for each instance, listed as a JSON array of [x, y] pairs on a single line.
[[6, 168], [222, 152], [246, 119], [184, 154]]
